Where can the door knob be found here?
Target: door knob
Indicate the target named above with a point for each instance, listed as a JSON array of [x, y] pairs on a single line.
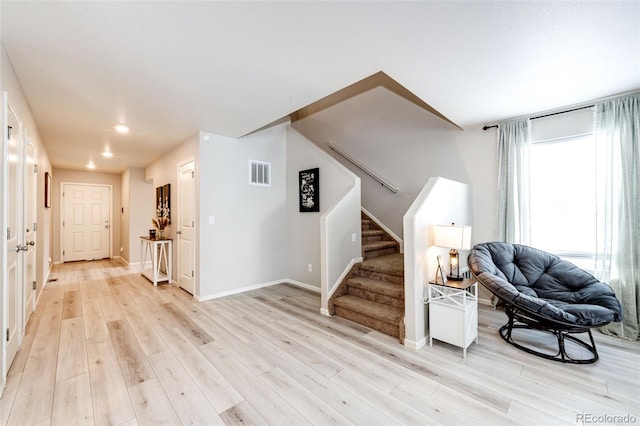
[[178, 232], [20, 248], [32, 243]]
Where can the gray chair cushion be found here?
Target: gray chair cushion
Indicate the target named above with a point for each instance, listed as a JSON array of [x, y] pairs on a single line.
[[544, 284]]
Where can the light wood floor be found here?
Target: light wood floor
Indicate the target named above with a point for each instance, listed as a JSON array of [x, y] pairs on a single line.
[[106, 347]]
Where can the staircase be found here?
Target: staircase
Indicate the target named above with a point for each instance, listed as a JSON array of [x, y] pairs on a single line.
[[372, 294]]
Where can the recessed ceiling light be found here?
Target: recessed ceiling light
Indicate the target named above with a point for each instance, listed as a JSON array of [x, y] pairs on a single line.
[[121, 128], [91, 165], [107, 154]]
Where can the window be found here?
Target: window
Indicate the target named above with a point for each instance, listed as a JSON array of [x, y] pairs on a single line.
[[259, 173], [563, 187]]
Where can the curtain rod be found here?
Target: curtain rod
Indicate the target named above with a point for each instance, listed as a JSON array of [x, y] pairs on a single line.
[[548, 115], [574, 108]]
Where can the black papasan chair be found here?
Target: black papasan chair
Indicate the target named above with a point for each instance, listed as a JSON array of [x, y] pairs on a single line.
[[540, 291]]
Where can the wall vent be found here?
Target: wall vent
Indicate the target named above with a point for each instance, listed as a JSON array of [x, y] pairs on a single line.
[[259, 173]]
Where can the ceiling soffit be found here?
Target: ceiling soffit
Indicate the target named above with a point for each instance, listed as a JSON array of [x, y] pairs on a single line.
[[375, 80]]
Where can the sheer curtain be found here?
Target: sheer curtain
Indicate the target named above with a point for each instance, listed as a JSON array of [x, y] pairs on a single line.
[[617, 126], [513, 182]]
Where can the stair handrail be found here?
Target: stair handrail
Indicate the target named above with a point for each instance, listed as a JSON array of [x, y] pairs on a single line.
[[364, 168]]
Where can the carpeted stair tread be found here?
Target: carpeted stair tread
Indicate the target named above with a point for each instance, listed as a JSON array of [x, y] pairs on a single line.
[[377, 311], [378, 245], [392, 264], [372, 233], [377, 286]]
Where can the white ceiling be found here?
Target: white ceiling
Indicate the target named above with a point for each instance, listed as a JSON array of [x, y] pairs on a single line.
[[170, 69]]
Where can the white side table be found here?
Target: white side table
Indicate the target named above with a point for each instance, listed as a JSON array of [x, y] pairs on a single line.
[[160, 255], [453, 312]]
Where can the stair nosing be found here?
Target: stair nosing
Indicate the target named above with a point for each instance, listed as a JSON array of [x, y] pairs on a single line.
[[397, 312], [377, 245], [364, 281]]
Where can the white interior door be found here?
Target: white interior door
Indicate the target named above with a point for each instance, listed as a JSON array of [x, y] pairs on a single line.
[[31, 227], [186, 227], [85, 222], [14, 233]]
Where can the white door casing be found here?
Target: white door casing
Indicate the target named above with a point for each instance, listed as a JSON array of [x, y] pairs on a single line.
[[85, 221], [186, 227], [31, 228], [12, 235]]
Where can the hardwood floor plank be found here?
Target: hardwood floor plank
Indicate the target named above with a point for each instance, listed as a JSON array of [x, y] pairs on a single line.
[[152, 405], [227, 340], [132, 359], [242, 414], [22, 355], [8, 396], [111, 402], [316, 411], [72, 356], [93, 319], [70, 404], [355, 409], [267, 403], [438, 410], [391, 407], [72, 306], [318, 361], [190, 329], [111, 310], [188, 401], [220, 393], [524, 414], [268, 357], [38, 377], [222, 313], [147, 336]]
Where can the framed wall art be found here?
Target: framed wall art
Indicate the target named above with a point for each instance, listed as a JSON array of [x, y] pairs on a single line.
[[309, 187], [47, 190], [163, 202]]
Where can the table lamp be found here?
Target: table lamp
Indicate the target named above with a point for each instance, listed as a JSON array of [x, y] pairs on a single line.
[[455, 238]]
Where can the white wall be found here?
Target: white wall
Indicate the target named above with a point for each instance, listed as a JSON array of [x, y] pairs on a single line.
[[304, 228], [138, 207], [10, 84], [407, 146], [247, 244], [441, 202], [161, 172]]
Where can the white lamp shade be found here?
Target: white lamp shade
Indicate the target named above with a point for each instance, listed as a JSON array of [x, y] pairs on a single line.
[[452, 236]]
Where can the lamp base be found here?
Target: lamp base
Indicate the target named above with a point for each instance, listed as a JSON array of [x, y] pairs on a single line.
[[450, 278]]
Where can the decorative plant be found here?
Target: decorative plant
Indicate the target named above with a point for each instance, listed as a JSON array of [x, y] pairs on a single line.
[[162, 216]]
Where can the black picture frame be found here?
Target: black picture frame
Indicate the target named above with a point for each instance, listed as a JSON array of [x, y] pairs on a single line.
[[47, 190], [309, 190]]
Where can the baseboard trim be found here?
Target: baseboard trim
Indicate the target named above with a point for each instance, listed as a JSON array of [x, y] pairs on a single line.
[[413, 345], [302, 285], [256, 287]]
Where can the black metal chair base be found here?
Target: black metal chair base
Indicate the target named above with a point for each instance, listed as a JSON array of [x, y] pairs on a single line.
[[526, 322]]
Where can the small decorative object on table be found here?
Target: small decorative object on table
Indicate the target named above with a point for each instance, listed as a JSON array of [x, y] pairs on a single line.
[[152, 234]]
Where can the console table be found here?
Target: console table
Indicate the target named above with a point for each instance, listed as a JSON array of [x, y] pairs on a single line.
[[159, 252]]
